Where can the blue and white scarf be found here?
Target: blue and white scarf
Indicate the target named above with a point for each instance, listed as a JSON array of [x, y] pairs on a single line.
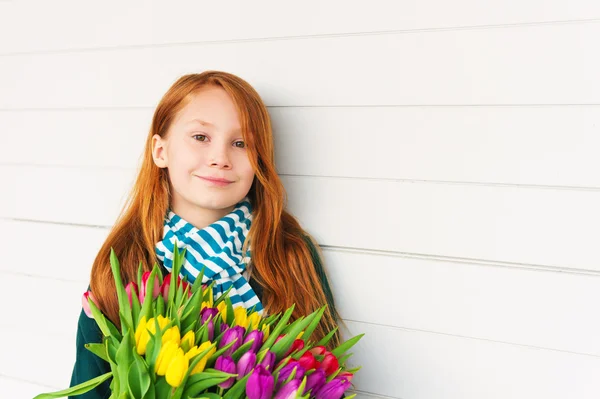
[[217, 247]]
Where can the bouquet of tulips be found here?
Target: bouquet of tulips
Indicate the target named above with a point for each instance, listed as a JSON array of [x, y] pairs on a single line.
[[176, 342]]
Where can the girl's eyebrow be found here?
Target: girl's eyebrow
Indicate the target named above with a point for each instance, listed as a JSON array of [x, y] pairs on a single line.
[[205, 123]]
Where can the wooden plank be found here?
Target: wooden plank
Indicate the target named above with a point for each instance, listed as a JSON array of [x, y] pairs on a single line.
[[113, 23], [508, 145], [544, 64], [538, 227], [504, 304], [419, 365]]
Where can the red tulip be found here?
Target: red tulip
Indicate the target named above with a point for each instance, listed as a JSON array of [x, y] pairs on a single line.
[[308, 361], [329, 364], [296, 345], [318, 350]]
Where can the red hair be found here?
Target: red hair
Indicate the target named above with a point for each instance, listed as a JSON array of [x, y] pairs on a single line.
[[281, 261]]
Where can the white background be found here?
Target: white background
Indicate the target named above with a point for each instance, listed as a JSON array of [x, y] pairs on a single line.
[[443, 153]]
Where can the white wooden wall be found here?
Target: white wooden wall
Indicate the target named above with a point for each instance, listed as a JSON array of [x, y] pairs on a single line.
[[444, 154]]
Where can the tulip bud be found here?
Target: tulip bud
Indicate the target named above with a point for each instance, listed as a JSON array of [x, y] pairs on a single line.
[[268, 361], [257, 336], [208, 313], [345, 375], [227, 365], [287, 370], [144, 290], [266, 329], [296, 346], [253, 321], [240, 316], [222, 306], [260, 384], [315, 381], [289, 390], [172, 334], [224, 327], [245, 364], [318, 350], [329, 364], [131, 289], [188, 340], [165, 355], [308, 361], [177, 369], [334, 389], [235, 335], [141, 336], [86, 305], [197, 350]]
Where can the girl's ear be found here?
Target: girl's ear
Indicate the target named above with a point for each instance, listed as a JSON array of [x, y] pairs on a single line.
[[159, 151]]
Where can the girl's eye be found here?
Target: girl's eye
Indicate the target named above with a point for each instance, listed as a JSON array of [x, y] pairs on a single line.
[[240, 146], [199, 135]]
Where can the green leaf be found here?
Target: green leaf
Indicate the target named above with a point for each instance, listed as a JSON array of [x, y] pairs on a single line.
[[147, 305], [99, 318], [98, 350], [77, 389], [138, 378], [313, 325], [124, 358], [230, 314], [162, 388], [241, 350], [124, 308], [283, 345], [327, 338], [238, 390], [209, 395], [340, 350], [275, 333]]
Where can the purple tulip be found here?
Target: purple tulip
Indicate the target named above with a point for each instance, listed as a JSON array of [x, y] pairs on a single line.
[[287, 370], [334, 389], [315, 381], [235, 335], [207, 313], [245, 364], [227, 365], [289, 390], [260, 384], [268, 361], [210, 326], [258, 340], [224, 327]]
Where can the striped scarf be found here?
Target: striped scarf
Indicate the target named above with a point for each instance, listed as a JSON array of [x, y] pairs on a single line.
[[217, 247]]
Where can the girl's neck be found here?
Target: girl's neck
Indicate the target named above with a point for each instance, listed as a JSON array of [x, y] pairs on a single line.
[[199, 217]]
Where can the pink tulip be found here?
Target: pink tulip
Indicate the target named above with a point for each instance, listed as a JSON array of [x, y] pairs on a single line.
[[86, 305], [144, 290], [131, 289]]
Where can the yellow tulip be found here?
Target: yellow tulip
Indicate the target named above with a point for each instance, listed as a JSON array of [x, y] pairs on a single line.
[[266, 329], [172, 334], [141, 336], [162, 323], [197, 350], [205, 305], [253, 321], [188, 340], [177, 368], [299, 335], [165, 355], [223, 310], [240, 316]]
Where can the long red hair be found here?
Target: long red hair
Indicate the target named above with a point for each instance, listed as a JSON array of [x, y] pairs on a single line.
[[281, 259]]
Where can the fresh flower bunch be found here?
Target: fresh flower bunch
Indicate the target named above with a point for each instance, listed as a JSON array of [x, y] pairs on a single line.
[[176, 342]]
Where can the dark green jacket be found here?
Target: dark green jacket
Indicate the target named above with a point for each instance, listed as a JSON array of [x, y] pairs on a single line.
[[87, 365]]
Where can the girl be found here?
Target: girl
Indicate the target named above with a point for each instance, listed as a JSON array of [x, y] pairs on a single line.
[[208, 181]]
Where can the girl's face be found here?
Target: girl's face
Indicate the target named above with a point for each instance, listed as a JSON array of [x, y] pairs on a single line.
[[205, 142]]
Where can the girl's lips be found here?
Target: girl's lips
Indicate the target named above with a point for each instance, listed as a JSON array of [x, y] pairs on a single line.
[[217, 182]]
